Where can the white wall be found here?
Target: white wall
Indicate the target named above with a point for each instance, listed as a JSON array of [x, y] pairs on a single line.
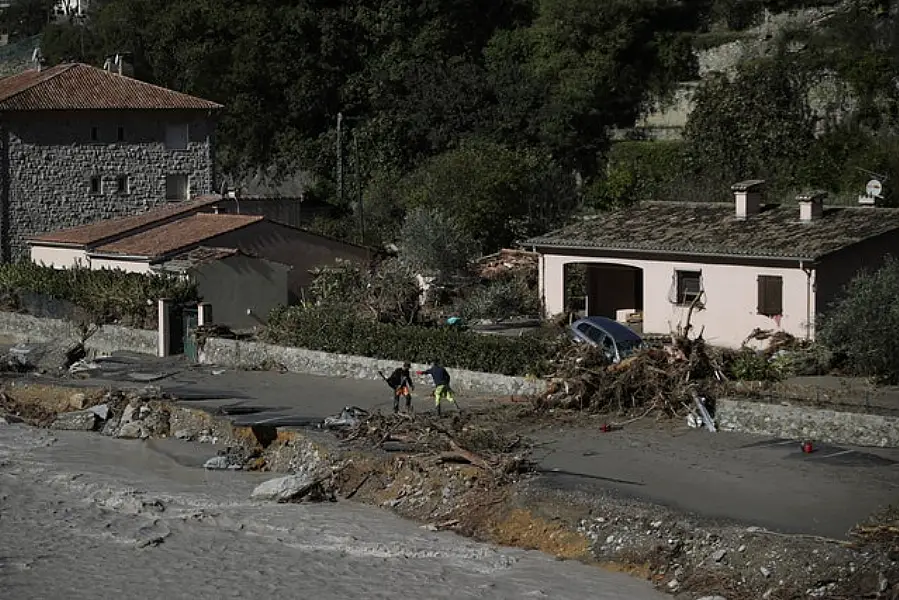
[[731, 297], [59, 258], [129, 266]]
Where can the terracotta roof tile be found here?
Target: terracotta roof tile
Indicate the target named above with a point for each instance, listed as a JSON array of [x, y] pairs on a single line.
[[711, 228], [102, 231], [177, 235], [77, 86]]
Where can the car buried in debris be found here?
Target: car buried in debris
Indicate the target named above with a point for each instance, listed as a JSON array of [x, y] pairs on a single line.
[[616, 341]]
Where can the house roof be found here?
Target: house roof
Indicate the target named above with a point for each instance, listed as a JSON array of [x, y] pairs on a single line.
[[704, 228], [169, 238], [76, 86], [96, 233], [197, 256]]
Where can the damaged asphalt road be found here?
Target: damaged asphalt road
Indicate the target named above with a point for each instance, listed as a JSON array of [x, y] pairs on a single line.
[[726, 476]]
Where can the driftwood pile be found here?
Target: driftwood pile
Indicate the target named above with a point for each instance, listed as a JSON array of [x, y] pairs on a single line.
[[663, 380], [460, 440]]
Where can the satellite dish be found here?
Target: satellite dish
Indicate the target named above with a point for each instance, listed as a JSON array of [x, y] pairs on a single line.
[[874, 188]]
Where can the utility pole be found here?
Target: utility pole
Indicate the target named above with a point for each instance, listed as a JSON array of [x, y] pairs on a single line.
[[339, 160], [358, 187]]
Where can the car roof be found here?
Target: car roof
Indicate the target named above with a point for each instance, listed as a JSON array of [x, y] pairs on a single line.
[[618, 332]]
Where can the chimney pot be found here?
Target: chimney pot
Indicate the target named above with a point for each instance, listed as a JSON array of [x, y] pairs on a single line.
[[748, 197], [811, 205]]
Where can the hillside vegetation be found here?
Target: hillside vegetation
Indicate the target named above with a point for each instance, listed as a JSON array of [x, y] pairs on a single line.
[[500, 112]]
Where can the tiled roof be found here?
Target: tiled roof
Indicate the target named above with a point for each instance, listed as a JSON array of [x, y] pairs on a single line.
[[178, 235], [702, 228], [77, 86], [96, 233], [197, 256]]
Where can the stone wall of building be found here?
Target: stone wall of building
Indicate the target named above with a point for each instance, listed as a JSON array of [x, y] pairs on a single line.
[[50, 160]]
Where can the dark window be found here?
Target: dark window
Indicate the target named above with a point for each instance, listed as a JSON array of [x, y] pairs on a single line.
[[96, 185], [120, 136], [770, 295], [95, 134], [122, 184], [689, 286]]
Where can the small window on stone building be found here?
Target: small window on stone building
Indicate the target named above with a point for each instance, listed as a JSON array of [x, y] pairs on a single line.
[[123, 186], [96, 184], [176, 187], [120, 135], [95, 134], [176, 136], [770, 295]]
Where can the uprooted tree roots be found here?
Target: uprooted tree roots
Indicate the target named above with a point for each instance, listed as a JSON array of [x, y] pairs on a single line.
[[662, 380], [459, 440]]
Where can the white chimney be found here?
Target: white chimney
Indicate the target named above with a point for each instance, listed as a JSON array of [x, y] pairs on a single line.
[[748, 197], [811, 205]]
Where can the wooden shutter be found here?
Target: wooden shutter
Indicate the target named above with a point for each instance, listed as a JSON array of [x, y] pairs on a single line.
[[770, 295]]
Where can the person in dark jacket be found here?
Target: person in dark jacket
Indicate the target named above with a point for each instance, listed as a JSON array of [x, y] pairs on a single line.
[[400, 381], [442, 391]]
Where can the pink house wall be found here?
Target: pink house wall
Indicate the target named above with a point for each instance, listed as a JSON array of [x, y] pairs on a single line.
[[731, 297]]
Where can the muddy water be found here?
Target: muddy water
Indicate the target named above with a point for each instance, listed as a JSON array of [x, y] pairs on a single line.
[[83, 516]]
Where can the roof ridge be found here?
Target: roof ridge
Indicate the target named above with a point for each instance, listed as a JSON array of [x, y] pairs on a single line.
[[61, 68], [141, 82]]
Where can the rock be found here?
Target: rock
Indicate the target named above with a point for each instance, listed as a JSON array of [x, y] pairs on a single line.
[[719, 555], [128, 413], [82, 420], [59, 356], [133, 431], [101, 410], [281, 489], [76, 401], [713, 598], [222, 462], [156, 422], [882, 583], [673, 585], [766, 573], [110, 428], [183, 434], [742, 548], [143, 412]]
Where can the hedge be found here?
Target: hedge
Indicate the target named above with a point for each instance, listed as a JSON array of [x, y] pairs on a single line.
[[105, 296], [330, 329]]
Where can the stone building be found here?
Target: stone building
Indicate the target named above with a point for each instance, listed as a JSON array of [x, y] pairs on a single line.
[[80, 144]]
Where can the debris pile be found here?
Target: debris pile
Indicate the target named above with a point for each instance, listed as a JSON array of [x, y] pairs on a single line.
[[507, 261], [663, 380]]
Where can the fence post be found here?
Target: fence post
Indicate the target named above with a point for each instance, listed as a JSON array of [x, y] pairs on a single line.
[[165, 331]]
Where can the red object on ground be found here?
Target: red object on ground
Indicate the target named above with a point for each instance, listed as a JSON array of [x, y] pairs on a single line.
[[605, 428], [807, 447]]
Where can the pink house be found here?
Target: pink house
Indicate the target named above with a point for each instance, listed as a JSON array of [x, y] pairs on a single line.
[[741, 265]]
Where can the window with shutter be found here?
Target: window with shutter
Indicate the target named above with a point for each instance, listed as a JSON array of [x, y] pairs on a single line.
[[770, 295]]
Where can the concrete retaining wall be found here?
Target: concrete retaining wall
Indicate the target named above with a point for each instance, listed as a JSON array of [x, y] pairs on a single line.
[[251, 355], [805, 422], [19, 328]]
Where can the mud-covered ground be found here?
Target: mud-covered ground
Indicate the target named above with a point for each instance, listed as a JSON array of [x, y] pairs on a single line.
[[471, 474]]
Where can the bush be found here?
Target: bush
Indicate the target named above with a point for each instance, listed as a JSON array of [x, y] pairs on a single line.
[[501, 299], [331, 329], [436, 243], [862, 328], [107, 296]]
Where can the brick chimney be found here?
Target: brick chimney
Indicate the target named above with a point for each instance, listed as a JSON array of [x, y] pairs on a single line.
[[811, 205], [748, 197]]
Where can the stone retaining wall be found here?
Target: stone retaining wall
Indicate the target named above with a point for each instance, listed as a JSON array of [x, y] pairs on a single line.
[[806, 422], [20, 328], [254, 355]]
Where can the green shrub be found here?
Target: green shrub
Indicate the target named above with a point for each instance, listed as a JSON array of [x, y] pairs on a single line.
[[862, 327], [106, 296], [332, 329], [501, 299]]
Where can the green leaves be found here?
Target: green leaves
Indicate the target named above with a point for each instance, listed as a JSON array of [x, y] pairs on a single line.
[[331, 329]]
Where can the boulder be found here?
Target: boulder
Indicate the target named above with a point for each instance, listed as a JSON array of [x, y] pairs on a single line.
[[281, 489], [111, 427], [76, 401], [82, 420], [133, 430], [59, 356], [224, 461], [101, 410], [128, 413]]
